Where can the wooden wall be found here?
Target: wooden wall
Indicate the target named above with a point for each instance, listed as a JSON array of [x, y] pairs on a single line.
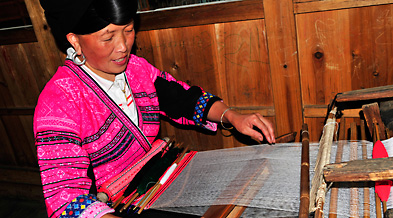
[[285, 59]]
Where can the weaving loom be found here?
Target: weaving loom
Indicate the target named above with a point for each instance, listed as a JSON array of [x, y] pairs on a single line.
[[346, 188], [263, 180]]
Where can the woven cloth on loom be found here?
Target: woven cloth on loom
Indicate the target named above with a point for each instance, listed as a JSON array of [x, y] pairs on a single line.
[[263, 177], [350, 202]]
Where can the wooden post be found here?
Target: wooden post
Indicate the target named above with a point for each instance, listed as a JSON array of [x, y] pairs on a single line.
[[354, 191], [283, 59], [305, 174], [339, 154], [372, 116], [50, 53]]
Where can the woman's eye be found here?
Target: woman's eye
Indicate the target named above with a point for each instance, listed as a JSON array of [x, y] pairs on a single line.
[[107, 40], [130, 30]]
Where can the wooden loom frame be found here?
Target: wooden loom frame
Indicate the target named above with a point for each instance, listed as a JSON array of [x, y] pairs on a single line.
[[365, 170]]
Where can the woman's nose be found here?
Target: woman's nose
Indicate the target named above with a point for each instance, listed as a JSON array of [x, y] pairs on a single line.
[[122, 44]]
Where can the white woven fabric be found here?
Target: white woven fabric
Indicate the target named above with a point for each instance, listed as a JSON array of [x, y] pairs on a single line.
[[266, 178]]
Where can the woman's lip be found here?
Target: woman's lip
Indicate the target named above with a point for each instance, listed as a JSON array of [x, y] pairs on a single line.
[[120, 61]]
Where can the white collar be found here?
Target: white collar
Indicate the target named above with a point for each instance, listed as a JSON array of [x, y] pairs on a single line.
[[104, 83]]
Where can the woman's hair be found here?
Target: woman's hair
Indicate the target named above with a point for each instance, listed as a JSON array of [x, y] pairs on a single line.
[[85, 16]]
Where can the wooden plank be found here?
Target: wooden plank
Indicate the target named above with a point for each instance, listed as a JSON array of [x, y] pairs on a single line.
[[7, 153], [335, 43], [218, 211], [23, 149], [360, 170], [321, 55], [266, 111], [14, 36], [22, 76], [21, 191], [289, 137], [321, 111], [20, 175], [236, 212], [302, 6], [17, 111], [366, 94], [280, 31], [6, 97], [228, 60], [372, 116], [50, 53], [201, 15]]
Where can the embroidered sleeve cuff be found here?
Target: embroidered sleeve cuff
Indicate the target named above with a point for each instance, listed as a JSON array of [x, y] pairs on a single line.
[[202, 108], [86, 206]]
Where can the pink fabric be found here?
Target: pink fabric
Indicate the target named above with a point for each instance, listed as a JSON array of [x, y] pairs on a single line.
[[115, 187], [382, 188], [77, 124]]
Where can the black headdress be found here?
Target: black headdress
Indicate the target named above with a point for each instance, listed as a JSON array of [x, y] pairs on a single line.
[[85, 16]]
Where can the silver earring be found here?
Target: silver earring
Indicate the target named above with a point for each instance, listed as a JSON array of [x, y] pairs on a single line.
[[76, 60]]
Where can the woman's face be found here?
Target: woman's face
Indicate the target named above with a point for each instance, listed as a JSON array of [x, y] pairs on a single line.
[[107, 51]]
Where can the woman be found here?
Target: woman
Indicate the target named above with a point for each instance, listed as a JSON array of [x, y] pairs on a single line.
[[100, 111]]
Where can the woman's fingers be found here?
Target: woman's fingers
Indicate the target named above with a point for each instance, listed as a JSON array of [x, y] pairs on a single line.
[[248, 122]]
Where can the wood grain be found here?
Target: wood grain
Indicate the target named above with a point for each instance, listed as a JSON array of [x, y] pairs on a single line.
[[360, 170], [201, 15], [307, 6], [280, 31]]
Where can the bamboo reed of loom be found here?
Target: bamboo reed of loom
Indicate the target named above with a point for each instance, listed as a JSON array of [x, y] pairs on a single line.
[[354, 191], [376, 137], [366, 190], [318, 189], [148, 196], [339, 154], [305, 174]]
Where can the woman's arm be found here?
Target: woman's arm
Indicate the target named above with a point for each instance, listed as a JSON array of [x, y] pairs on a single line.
[[108, 215], [244, 123]]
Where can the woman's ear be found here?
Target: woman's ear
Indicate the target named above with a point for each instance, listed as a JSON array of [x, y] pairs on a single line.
[[73, 39]]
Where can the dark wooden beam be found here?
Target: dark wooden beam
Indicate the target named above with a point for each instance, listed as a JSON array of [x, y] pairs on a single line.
[[360, 170], [16, 111], [201, 15], [366, 94]]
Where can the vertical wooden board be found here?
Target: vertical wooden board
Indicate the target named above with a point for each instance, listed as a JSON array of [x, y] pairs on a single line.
[[27, 125], [243, 63], [324, 55], [24, 87], [344, 50], [371, 46], [17, 77], [37, 65], [6, 69], [7, 154], [20, 144], [143, 46], [186, 53], [281, 37], [315, 128]]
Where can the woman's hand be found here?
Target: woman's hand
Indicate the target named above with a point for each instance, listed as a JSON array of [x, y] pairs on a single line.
[[244, 123]]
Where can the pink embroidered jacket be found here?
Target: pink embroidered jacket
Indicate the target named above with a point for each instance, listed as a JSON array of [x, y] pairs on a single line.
[[77, 125]]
